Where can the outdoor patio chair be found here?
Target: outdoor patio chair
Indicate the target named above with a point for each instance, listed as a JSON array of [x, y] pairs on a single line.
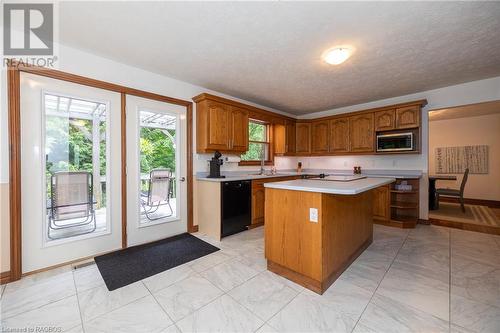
[[158, 194], [448, 192], [71, 203]]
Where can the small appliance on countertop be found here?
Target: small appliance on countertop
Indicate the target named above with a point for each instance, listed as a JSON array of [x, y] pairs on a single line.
[[215, 164]]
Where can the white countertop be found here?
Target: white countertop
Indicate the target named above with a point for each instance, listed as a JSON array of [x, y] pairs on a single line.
[[372, 173], [248, 176], [332, 187]]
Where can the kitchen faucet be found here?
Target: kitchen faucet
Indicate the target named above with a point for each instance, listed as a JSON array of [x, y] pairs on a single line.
[[262, 157]]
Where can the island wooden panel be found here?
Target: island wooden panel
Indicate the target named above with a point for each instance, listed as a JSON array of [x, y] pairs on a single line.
[[259, 197], [347, 232], [315, 254], [291, 240]]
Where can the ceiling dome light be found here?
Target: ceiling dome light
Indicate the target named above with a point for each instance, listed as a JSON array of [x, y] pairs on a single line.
[[337, 55]]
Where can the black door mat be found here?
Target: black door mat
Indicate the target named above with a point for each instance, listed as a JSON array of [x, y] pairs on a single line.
[[123, 267]]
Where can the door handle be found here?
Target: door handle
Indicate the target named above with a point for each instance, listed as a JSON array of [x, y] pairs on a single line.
[[182, 179]]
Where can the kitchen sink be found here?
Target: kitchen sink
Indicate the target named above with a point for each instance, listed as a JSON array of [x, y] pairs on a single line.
[[267, 174]]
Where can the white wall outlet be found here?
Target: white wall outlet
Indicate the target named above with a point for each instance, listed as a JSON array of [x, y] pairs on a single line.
[[313, 215]]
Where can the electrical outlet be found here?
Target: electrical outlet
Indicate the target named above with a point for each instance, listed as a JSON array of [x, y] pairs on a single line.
[[313, 215]]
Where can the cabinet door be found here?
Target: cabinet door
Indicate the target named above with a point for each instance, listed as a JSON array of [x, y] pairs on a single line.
[[303, 138], [361, 132], [239, 129], [408, 117], [258, 201], [385, 120], [290, 137], [218, 125], [279, 138], [339, 135], [319, 137], [381, 203]]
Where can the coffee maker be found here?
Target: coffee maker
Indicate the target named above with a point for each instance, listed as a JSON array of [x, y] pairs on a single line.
[[215, 164]]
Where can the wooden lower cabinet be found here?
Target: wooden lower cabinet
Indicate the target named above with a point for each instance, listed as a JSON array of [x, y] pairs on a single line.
[[396, 208], [258, 201], [382, 203]]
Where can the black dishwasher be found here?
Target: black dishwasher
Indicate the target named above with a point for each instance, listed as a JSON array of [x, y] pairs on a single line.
[[235, 206]]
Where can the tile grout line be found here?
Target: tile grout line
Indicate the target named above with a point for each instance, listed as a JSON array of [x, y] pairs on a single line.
[[78, 301], [382, 279], [40, 306], [195, 274], [277, 313], [256, 315], [158, 303]]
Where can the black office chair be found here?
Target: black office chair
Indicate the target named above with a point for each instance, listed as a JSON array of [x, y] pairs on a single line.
[[449, 192]]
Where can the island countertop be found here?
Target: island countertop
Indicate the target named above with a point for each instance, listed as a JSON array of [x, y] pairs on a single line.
[[331, 187]]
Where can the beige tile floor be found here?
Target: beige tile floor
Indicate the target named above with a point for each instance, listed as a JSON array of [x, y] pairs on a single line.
[[430, 279]]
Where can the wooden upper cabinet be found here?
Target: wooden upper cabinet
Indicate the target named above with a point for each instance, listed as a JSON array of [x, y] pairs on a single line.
[[303, 138], [385, 120], [319, 137], [408, 117], [239, 129], [220, 126], [279, 138], [290, 137], [339, 135], [361, 133], [218, 123]]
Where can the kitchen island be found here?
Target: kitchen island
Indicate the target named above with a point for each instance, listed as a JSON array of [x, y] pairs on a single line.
[[316, 228]]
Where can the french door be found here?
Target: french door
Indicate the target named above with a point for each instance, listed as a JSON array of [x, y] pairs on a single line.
[[70, 171], [156, 170]]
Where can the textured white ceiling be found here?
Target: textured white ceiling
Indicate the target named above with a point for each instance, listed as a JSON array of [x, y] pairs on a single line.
[[269, 52]]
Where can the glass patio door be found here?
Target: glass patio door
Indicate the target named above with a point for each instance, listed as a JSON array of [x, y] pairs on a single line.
[[70, 168], [156, 170]]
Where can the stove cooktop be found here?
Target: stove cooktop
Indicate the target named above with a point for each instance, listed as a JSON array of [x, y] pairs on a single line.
[[340, 178]]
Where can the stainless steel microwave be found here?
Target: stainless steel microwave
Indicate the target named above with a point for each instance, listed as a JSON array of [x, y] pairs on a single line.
[[395, 142]]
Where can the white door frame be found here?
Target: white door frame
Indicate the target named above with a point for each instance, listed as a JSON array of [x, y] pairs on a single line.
[[40, 252], [13, 85], [138, 233]]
